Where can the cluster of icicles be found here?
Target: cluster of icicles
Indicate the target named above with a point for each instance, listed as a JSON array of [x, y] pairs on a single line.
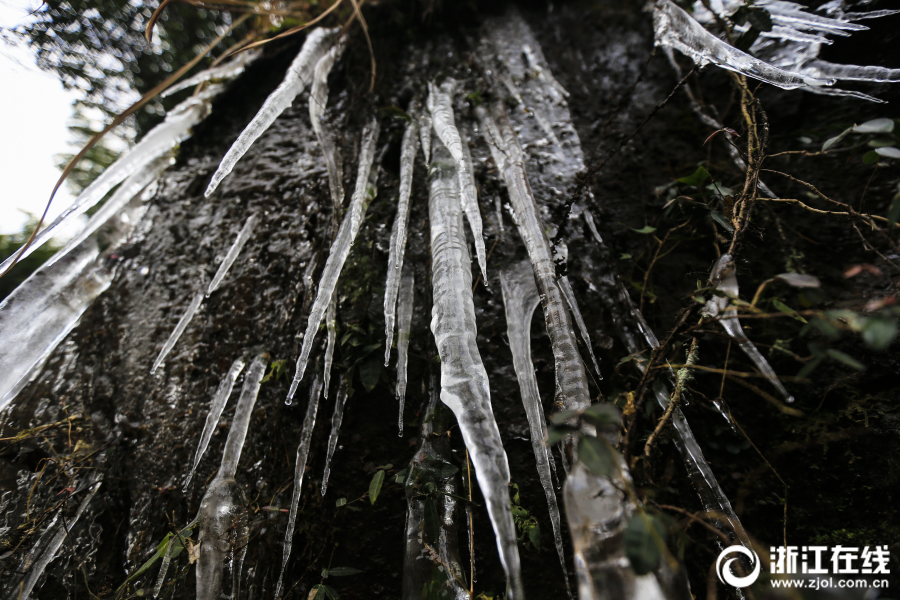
[[41, 312]]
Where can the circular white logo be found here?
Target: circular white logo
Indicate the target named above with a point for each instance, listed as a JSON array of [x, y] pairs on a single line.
[[726, 575]]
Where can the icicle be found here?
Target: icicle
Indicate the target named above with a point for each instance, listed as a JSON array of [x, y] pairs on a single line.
[[223, 515], [224, 72], [179, 329], [236, 247], [340, 249], [440, 105], [298, 76], [39, 313], [309, 423], [215, 412], [164, 567], [336, 420], [407, 296], [823, 69], [408, 150], [520, 298], [126, 192], [790, 14], [498, 210], [425, 125], [534, 62], [158, 141], [571, 379], [331, 326], [724, 274], [464, 383], [598, 511], [318, 98], [56, 542], [677, 29], [569, 294], [431, 516]]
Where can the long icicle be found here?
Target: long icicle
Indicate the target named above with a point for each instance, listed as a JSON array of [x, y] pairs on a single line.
[[569, 294], [520, 298], [223, 514], [232, 254], [408, 149], [464, 382], [318, 98], [440, 105], [331, 326], [677, 29], [725, 273], [336, 419], [215, 412], [340, 249], [179, 329], [309, 423], [56, 542], [571, 379], [158, 141], [229, 70], [407, 297], [298, 76]]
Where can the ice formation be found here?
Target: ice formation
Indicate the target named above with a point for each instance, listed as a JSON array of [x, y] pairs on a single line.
[[336, 420], [318, 98], [569, 294], [464, 383], [179, 329], [408, 150], [236, 247], [724, 275], [571, 379], [157, 142], [440, 105], [298, 77], [309, 423], [340, 249], [407, 297], [223, 514], [215, 412], [520, 298], [41, 312], [56, 542], [223, 72], [331, 327], [432, 512]]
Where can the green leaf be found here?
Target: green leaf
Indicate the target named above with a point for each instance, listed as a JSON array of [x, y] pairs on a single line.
[[870, 157], [400, 476], [518, 511], [329, 591], [161, 551], [875, 126], [697, 178], [563, 416], [784, 308], [719, 218], [625, 257], [534, 535], [370, 371], [603, 414], [644, 542], [890, 152], [831, 142], [375, 486], [557, 433], [879, 332], [646, 229], [596, 456], [343, 571], [340, 502], [846, 359]]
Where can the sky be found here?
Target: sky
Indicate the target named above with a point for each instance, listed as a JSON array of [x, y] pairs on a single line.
[[34, 110]]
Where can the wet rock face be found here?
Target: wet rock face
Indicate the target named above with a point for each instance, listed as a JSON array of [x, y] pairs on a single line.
[[107, 413]]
